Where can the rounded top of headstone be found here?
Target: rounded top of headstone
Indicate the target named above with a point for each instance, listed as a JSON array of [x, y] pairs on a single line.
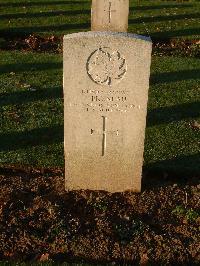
[[93, 34]]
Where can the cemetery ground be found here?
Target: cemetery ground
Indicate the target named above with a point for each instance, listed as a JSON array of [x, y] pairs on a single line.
[[160, 19], [39, 220]]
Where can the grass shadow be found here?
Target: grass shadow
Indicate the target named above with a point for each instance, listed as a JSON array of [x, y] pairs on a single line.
[[23, 31], [174, 34], [155, 7], [16, 68], [42, 3], [180, 170], [164, 18], [23, 97], [175, 76], [45, 14], [31, 138], [173, 113]]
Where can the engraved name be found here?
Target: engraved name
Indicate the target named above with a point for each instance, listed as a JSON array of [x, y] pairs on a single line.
[[105, 101], [105, 107], [104, 92]]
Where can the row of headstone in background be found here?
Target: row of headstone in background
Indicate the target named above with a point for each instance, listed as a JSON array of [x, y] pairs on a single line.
[[106, 80]]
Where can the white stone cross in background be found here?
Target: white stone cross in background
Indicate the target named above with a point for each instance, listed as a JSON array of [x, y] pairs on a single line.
[[110, 12], [110, 15]]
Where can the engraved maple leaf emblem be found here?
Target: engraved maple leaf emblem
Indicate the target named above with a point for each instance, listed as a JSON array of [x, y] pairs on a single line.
[[105, 66]]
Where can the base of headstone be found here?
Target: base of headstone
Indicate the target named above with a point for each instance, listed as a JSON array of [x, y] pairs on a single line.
[[106, 81]]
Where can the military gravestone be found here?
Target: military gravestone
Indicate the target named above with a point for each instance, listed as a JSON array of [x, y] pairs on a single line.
[[110, 15], [106, 79]]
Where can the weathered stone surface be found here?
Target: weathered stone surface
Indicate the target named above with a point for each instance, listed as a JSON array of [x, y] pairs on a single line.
[[110, 15], [106, 80]]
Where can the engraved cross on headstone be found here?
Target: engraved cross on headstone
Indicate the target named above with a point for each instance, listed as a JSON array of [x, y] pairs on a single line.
[[104, 132], [104, 135], [110, 15], [110, 12]]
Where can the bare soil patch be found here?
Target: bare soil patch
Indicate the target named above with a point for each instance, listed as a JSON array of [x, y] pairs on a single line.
[[41, 221], [53, 44]]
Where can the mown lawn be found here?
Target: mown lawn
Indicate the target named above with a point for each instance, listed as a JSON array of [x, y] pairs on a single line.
[[31, 112], [31, 101], [159, 19], [35, 217]]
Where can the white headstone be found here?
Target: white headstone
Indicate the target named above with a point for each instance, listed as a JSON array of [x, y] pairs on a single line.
[[110, 15], [106, 81]]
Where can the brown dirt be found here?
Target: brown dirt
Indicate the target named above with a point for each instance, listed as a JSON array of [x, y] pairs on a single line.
[[40, 221], [53, 44]]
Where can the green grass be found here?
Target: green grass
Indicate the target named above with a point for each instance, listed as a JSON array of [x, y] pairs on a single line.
[[187, 213], [159, 19], [31, 112], [174, 101]]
